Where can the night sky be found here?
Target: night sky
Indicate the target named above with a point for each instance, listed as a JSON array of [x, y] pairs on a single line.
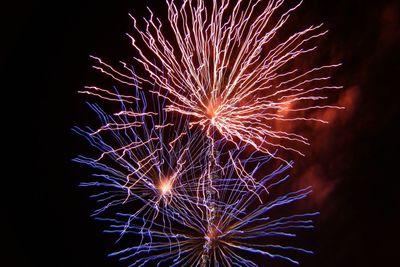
[[353, 163]]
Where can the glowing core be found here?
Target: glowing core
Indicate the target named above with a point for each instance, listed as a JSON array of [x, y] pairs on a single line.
[[165, 187], [211, 111]]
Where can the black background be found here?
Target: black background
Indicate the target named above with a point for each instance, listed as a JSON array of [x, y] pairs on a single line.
[[44, 61]]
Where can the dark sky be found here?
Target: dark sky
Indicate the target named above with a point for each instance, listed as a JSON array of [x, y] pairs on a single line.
[[44, 61]]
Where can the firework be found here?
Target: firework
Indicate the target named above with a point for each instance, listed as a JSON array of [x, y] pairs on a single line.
[[243, 226], [226, 69], [182, 162]]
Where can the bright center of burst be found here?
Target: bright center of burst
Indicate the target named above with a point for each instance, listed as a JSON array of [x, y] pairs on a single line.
[[211, 111], [165, 187], [212, 234]]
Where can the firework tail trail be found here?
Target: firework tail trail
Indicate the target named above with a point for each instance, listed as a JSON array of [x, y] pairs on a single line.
[[210, 194]]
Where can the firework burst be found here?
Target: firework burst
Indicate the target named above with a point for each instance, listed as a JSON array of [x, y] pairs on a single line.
[[225, 68], [241, 227]]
